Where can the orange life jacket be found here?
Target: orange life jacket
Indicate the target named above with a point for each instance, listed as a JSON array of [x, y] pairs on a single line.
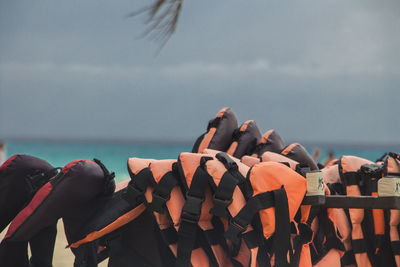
[[369, 240], [277, 194], [392, 167]]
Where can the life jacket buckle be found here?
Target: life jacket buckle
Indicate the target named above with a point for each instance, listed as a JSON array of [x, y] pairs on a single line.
[[133, 195], [233, 234], [235, 230], [192, 209], [158, 202], [220, 208]]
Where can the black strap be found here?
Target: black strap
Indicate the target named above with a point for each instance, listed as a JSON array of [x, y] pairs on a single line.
[[214, 123], [348, 258], [213, 236], [282, 228], [137, 187], [190, 216], [351, 178], [381, 158], [395, 247], [223, 195], [228, 162], [359, 245], [304, 237], [109, 183], [162, 192], [236, 134], [239, 223], [169, 235], [302, 169], [258, 148], [233, 169], [314, 211]]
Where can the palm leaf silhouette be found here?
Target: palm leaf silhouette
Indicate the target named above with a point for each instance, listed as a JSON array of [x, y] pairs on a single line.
[[162, 19]]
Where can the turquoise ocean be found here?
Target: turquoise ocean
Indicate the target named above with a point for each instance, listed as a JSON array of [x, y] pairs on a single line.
[[115, 155]]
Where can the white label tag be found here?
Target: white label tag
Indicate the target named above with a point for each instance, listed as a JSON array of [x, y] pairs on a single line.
[[315, 183], [389, 187]]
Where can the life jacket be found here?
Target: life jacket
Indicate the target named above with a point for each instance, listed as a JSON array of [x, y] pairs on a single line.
[[298, 153], [124, 226], [341, 216], [74, 194], [219, 133], [277, 192], [272, 157], [230, 193], [391, 163], [196, 214], [370, 241], [316, 241], [245, 138], [331, 162], [275, 157], [20, 177], [270, 141], [328, 245], [187, 234], [250, 161]]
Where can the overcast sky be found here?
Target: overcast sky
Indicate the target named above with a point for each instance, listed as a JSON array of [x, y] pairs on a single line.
[[316, 71]]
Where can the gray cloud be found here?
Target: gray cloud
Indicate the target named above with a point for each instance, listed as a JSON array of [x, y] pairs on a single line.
[[315, 71]]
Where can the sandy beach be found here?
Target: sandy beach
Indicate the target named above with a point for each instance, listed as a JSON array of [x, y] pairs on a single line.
[[62, 257]]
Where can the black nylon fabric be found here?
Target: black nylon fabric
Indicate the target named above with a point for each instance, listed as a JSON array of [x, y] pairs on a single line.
[[300, 154], [42, 247], [162, 192], [137, 186], [18, 183], [112, 210], [15, 192], [190, 216], [274, 144], [138, 243], [246, 139], [14, 254]]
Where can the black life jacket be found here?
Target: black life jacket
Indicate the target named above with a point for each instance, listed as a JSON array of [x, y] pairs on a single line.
[[219, 133], [79, 190], [270, 141], [245, 138], [20, 177]]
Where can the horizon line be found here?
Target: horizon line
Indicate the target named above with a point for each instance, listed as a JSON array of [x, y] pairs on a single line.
[[167, 141]]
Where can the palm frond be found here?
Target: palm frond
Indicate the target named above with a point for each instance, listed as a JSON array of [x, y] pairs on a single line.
[[163, 16]]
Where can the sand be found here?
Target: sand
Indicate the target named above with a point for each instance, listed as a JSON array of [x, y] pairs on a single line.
[[62, 257]]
